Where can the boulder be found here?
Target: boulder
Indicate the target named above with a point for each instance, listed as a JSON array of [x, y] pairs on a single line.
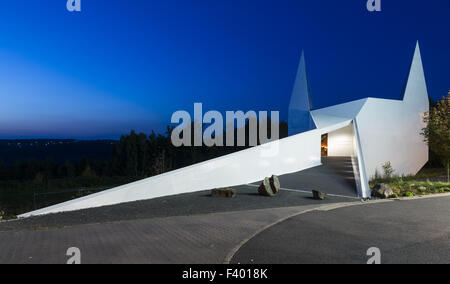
[[223, 192], [382, 191], [269, 186], [319, 195]]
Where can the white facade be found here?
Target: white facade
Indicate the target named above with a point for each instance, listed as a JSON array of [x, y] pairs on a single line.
[[372, 131], [341, 142], [390, 130]]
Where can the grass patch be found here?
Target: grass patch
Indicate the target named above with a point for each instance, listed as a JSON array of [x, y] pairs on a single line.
[[413, 188], [417, 185]]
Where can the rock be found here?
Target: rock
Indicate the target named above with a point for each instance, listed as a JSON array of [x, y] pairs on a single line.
[[275, 183], [319, 195], [269, 186], [223, 192], [382, 191]]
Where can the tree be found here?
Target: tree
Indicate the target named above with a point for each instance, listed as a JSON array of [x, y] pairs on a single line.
[[387, 170], [437, 131]]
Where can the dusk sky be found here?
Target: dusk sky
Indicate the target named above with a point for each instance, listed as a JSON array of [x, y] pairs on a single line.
[[129, 64]]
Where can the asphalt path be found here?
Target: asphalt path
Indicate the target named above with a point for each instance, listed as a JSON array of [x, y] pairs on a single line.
[[407, 231]]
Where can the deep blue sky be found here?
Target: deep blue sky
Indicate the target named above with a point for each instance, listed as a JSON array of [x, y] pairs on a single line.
[[129, 64]]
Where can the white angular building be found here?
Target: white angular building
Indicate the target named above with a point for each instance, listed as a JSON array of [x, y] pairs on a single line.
[[372, 131]]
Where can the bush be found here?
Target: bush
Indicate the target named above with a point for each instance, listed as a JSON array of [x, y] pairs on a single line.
[[422, 189], [395, 195], [408, 194], [388, 170], [446, 189]]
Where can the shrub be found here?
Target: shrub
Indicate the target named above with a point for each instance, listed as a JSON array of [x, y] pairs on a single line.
[[422, 189], [395, 195], [408, 194], [388, 170], [446, 189]]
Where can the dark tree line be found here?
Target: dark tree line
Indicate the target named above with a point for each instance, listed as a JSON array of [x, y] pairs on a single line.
[[135, 155]]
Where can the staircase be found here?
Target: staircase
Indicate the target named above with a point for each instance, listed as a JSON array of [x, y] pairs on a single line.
[[335, 176]]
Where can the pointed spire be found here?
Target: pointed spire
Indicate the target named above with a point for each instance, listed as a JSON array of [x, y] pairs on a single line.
[[301, 95], [416, 87], [300, 105]]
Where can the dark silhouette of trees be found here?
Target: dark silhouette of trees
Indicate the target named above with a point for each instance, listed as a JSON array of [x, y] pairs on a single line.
[[26, 185], [135, 155]]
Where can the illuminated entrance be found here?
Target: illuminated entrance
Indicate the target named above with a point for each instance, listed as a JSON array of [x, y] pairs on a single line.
[[324, 145]]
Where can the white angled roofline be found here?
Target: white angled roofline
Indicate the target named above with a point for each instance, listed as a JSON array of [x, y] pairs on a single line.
[[384, 130]]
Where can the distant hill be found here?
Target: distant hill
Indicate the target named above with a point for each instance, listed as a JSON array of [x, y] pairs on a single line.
[[60, 150]]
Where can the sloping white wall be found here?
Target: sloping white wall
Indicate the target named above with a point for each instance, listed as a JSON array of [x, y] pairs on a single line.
[[288, 155]]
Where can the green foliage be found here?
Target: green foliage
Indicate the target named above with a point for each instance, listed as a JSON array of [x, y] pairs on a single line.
[[387, 170], [408, 194], [437, 131], [401, 188]]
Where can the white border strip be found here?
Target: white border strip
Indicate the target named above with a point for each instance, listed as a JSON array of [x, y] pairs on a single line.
[[310, 192]]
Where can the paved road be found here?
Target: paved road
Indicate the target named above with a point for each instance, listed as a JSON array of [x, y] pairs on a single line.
[[205, 238], [405, 231], [413, 231]]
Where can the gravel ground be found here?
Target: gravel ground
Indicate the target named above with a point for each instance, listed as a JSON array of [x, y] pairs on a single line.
[[178, 205]]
